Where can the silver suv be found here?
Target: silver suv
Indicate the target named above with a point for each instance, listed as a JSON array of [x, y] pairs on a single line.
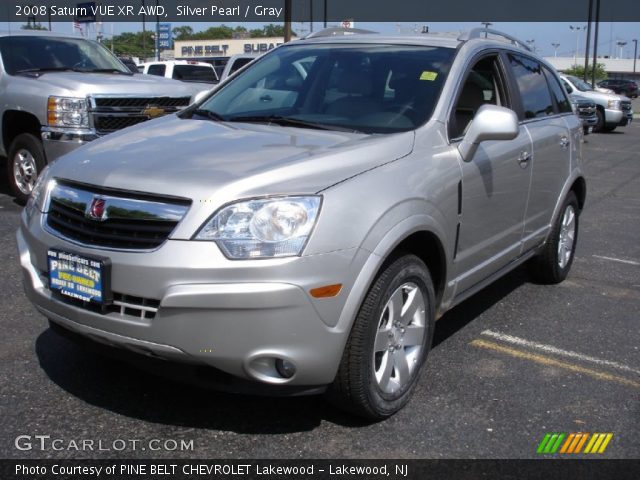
[[304, 226]]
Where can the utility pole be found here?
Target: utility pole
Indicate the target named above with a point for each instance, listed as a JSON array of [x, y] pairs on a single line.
[[325, 13], [157, 33], [555, 49], [635, 54], [586, 51], [287, 21], [595, 44], [144, 34]]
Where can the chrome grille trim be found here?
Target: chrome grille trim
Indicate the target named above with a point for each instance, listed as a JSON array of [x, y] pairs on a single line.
[[109, 114], [126, 222]]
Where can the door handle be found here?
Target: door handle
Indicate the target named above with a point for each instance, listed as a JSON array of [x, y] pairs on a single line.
[[524, 158], [564, 142]]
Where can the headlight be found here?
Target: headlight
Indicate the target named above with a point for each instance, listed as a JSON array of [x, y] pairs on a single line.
[[615, 105], [68, 112], [574, 107], [262, 228], [39, 193]]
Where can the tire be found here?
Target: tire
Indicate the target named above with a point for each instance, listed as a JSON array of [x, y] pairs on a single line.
[[598, 127], [381, 362], [609, 128], [24, 163], [553, 263]]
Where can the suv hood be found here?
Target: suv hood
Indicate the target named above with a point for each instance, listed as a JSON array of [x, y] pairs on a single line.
[[214, 163], [77, 84]]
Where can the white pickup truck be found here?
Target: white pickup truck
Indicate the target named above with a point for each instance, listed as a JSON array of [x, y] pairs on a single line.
[[58, 92]]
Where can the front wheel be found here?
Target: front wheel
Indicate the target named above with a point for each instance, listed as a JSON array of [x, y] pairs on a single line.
[[25, 162], [599, 126], [553, 263], [389, 342]]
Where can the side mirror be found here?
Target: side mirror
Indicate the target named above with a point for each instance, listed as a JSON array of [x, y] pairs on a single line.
[[490, 123]]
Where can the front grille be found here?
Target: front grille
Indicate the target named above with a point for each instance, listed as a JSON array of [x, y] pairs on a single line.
[[110, 114], [142, 102], [114, 234], [106, 124], [587, 112], [125, 222]]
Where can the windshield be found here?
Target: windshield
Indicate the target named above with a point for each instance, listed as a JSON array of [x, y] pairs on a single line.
[[194, 73], [41, 53], [366, 88], [580, 84]]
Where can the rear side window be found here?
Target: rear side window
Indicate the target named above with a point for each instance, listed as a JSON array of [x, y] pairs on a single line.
[[194, 73], [564, 106], [536, 98], [157, 69], [239, 63]]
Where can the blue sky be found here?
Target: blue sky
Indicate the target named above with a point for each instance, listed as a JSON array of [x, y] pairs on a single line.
[[544, 34]]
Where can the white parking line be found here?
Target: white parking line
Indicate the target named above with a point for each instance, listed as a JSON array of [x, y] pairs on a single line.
[[619, 260], [557, 351]]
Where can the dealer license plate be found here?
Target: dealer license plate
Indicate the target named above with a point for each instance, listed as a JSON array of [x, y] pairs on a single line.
[[78, 276]]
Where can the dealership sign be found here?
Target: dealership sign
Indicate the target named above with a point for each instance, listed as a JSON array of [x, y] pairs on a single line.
[[216, 48]]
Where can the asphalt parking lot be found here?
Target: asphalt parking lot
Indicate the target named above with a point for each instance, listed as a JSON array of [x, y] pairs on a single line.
[[511, 364]]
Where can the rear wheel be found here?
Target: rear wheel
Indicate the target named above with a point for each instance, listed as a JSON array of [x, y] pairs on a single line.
[[553, 263], [389, 342], [25, 162], [609, 128]]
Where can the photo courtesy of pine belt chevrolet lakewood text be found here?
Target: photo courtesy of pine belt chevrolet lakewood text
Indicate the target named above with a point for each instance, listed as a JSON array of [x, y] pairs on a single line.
[[300, 228]]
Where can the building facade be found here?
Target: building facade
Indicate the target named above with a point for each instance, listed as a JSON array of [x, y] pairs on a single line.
[[201, 49]]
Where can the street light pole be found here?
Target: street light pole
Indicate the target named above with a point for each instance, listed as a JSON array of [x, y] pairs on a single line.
[[555, 49], [635, 54], [586, 51], [486, 27], [621, 44], [577, 29]]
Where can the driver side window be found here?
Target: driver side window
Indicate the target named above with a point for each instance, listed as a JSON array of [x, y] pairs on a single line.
[[483, 86]]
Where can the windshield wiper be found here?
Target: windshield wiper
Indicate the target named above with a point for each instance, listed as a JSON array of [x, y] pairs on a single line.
[[41, 70], [290, 122], [107, 70], [208, 114]]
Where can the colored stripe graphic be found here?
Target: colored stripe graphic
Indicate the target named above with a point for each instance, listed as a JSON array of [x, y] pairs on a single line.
[[572, 443]]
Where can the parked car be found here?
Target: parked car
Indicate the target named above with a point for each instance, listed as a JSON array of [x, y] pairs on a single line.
[[628, 88], [58, 92], [612, 110], [303, 232], [235, 63], [183, 70], [586, 110]]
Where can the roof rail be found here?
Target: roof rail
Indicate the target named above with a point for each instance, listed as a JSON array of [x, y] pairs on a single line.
[[479, 32], [337, 31]]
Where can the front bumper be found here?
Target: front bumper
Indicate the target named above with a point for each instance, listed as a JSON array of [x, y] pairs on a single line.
[[58, 142], [236, 316]]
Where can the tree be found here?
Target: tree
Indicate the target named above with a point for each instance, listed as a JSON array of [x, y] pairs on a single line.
[[33, 26], [182, 33], [130, 44], [578, 71]]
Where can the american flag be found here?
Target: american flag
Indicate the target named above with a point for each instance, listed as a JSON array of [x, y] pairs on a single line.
[[77, 26]]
